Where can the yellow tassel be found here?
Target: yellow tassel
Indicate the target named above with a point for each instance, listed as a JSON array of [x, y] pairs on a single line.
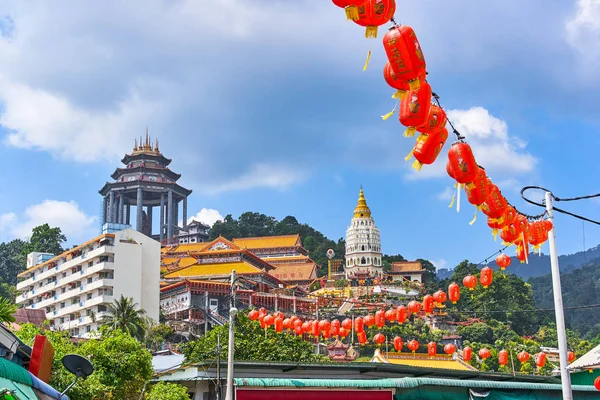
[[455, 183], [474, 218], [409, 156], [400, 94], [410, 131], [495, 233], [352, 13], [470, 185], [388, 115], [367, 60], [414, 84], [452, 202], [371, 32], [422, 138], [506, 243], [417, 165]]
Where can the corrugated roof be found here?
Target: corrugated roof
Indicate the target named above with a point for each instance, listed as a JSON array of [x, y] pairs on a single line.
[[213, 269], [264, 242], [294, 272], [24, 315], [406, 266], [591, 359], [14, 372]]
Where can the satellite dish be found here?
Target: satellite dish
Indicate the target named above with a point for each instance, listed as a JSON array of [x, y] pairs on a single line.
[[78, 365]]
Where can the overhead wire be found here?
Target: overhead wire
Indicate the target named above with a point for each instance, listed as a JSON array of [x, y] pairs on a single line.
[[558, 199]]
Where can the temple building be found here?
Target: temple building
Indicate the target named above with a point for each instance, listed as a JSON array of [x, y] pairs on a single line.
[[146, 182], [363, 245], [406, 271]]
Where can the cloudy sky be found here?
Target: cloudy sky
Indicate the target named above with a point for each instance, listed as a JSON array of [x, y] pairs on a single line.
[[263, 106]]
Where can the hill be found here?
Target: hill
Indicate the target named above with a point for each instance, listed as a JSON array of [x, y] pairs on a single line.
[[581, 288]]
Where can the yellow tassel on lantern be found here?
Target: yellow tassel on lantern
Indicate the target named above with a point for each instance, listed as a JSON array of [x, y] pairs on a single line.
[[388, 115], [452, 202], [506, 243], [409, 156], [410, 131], [470, 185], [371, 32], [400, 94], [367, 60], [474, 218], [417, 165], [422, 138], [352, 13], [495, 233], [414, 84]]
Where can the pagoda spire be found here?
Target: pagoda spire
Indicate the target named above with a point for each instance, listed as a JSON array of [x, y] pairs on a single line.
[[362, 210], [156, 147], [135, 146]]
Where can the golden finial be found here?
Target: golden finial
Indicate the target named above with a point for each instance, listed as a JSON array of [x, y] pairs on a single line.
[[147, 144], [362, 210], [135, 145], [156, 147]]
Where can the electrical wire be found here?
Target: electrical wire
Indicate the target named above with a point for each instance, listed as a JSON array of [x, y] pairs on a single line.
[[558, 199]]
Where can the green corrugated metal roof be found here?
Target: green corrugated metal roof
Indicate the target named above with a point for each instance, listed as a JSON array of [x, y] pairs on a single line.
[[14, 372], [401, 383]]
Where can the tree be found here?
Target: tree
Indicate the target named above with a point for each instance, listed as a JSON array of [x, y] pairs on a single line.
[[430, 281], [123, 315], [45, 240], [168, 391], [155, 333], [252, 344], [478, 332], [12, 261], [7, 309]]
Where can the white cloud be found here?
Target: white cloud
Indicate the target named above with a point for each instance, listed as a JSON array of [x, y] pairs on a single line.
[[207, 216], [446, 194], [439, 264], [494, 149], [72, 221], [583, 31]]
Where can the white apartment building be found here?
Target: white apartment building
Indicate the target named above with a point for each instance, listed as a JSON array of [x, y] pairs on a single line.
[[76, 287]]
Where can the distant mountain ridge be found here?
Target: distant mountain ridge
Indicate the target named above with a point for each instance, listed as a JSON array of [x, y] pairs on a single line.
[[540, 265]]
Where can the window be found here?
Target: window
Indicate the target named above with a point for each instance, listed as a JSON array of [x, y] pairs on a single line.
[[363, 261], [89, 296]]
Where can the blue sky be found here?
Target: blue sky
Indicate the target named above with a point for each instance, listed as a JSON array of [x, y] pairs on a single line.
[[263, 106]]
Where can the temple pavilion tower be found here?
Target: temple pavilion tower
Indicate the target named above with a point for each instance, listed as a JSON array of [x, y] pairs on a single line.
[[363, 244], [146, 182]]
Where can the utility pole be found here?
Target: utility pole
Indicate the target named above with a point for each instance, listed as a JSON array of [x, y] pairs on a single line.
[[218, 394], [565, 378], [232, 313]]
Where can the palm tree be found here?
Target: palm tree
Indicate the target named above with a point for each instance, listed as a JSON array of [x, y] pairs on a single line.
[[7, 309], [125, 316]]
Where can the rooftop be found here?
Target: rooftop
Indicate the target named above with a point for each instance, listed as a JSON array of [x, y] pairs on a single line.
[[265, 242], [295, 272], [590, 360], [198, 270], [441, 361], [406, 266]]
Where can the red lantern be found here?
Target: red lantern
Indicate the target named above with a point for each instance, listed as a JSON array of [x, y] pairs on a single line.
[[462, 162], [540, 359], [279, 314], [374, 13], [414, 307], [440, 296], [432, 349], [454, 292], [253, 315], [436, 120], [571, 356], [269, 320], [278, 325], [380, 318], [326, 334], [597, 383], [484, 353], [362, 337], [449, 170], [402, 86], [495, 204], [401, 314], [379, 338], [503, 357], [511, 232], [467, 353], [503, 261], [427, 148], [261, 321], [405, 55], [306, 327], [297, 323], [496, 224], [336, 323], [414, 109], [523, 357], [262, 311], [359, 325], [486, 277], [548, 225], [428, 304], [470, 282], [398, 343], [343, 332], [477, 194], [324, 325], [315, 328], [347, 324], [369, 321], [538, 234], [287, 323], [350, 6], [298, 330], [390, 315], [449, 348], [335, 330], [413, 345], [521, 253]]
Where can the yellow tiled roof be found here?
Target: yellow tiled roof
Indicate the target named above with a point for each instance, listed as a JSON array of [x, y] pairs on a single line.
[[406, 266], [184, 247], [172, 262], [294, 272], [441, 361], [214, 269], [287, 258], [268, 241]]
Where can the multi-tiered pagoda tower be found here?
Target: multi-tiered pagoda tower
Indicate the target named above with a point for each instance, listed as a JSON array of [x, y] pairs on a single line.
[[146, 182]]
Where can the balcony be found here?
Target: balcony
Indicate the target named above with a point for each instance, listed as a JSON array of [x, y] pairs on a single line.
[[81, 306]]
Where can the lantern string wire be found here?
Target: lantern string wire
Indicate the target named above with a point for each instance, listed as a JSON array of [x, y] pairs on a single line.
[[558, 199]]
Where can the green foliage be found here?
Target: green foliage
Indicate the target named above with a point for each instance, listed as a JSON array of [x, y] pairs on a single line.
[[252, 344], [156, 334], [478, 332], [124, 315], [341, 283], [121, 364], [12, 262], [430, 281], [45, 240], [7, 309], [252, 224], [168, 391]]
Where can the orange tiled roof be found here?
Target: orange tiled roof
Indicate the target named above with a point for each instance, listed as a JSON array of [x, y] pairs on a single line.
[[406, 266], [171, 264], [295, 272], [441, 361], [274, 260], [184, 247], [240, 267], [268, 241]]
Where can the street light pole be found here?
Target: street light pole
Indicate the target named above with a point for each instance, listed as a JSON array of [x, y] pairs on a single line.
[[232, 313], [565, 378]]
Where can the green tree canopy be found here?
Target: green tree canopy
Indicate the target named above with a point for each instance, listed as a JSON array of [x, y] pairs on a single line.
[[124, 315], [168, 391], [45, 239]]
